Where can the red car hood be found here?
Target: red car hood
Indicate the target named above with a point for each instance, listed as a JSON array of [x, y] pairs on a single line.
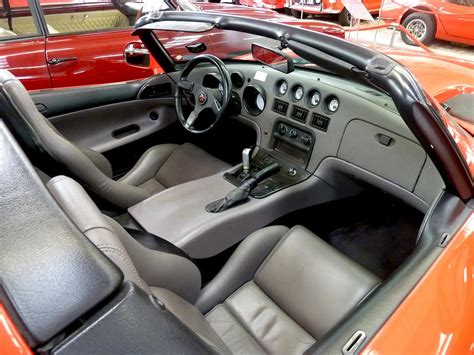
[[273, 16]]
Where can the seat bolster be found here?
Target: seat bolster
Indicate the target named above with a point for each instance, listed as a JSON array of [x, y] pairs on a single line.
[[148, 165], [241, 266], [160, 269], [87, 217], [99, 161], [191, 317]]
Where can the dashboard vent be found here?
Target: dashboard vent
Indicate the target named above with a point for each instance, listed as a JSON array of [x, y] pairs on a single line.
[[320, 122], [154, 91], [299, 114], [280, 107]]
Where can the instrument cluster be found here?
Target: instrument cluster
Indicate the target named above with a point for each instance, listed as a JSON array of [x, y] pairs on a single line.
[[303, 101]]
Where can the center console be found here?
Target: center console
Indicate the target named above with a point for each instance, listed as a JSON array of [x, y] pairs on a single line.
[[273, 182], [291, 149]]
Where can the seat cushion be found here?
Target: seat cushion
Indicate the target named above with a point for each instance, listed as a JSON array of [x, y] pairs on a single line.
[[249, 314], [167, 165], [187, 163]]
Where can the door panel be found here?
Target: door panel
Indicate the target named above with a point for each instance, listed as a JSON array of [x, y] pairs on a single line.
[[62, 101], [110, 116], [108, 127]]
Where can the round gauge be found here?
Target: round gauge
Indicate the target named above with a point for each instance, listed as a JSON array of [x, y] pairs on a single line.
[[281, 87], [260, 102], [314, 98], [333, 104], [237, 80], [298, 93]]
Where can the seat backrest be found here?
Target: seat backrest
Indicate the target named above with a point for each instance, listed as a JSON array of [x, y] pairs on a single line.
[[139, 264], [89, 167]]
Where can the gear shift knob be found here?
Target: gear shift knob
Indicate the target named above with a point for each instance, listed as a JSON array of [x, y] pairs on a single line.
[[246, 158]]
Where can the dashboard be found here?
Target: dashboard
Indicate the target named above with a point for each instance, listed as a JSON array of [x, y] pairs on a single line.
[[315, 119]]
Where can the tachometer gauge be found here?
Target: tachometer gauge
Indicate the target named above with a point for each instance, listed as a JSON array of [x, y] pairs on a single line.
[[260, 102], [314, 98], [298, 93], [333, 104]]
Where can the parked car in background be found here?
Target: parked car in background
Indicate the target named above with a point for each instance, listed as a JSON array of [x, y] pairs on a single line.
[[63, 43], [448, 20], [334, 8]]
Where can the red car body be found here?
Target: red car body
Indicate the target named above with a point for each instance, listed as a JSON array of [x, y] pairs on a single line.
[[327, 7], [454, 19], [96, 57], [267, 4]]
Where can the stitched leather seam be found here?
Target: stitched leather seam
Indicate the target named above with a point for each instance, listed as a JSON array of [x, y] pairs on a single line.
[[109, 248], [244, 327]]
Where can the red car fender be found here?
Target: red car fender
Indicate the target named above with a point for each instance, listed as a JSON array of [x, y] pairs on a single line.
[[11, 341]]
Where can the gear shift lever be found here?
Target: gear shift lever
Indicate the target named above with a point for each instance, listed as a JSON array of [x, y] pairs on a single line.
[[246, 158]]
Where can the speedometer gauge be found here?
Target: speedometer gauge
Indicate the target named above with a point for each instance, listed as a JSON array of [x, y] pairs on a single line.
[[260, 102]]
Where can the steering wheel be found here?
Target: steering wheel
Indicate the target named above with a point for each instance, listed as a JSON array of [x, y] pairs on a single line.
[[207, 100]]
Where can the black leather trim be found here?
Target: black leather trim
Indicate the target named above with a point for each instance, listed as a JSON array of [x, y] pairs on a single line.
[[50, 273], [133, 323], [154, 242]]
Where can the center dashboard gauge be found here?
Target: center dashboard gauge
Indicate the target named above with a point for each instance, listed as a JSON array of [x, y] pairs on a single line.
[[314, 98], [297, 92], [281, 87], [331, 104]]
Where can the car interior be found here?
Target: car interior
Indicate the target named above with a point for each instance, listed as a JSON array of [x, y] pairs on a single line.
[[261, 209]]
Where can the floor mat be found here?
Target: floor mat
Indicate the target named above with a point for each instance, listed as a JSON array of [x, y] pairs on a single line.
[[380, 247], [373, 229]]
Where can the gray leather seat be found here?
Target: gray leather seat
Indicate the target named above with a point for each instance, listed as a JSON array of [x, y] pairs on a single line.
[[281, 290], [160, 167]]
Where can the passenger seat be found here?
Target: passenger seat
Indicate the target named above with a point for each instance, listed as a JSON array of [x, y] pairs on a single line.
[[280, 291]]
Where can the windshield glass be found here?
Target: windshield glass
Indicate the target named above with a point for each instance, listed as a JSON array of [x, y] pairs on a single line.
[[226, 45]]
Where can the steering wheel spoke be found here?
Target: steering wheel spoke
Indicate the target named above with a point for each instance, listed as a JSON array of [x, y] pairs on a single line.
[[186, 85], [191, 119], [215, 106]]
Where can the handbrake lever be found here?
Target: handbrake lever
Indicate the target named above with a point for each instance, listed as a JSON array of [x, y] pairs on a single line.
[[241, 193]]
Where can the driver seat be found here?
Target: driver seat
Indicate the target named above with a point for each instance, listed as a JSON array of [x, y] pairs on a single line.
[[160, 167]]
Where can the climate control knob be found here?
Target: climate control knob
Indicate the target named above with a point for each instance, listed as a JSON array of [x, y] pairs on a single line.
[[306, 139], [282, 129], [293, 133]]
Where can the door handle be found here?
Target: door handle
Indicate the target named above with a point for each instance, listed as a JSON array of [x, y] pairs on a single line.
[[54, 61]]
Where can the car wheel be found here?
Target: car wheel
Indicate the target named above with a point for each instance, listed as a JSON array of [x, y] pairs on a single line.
[[421, 26], [297, 14], [345, 18]]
